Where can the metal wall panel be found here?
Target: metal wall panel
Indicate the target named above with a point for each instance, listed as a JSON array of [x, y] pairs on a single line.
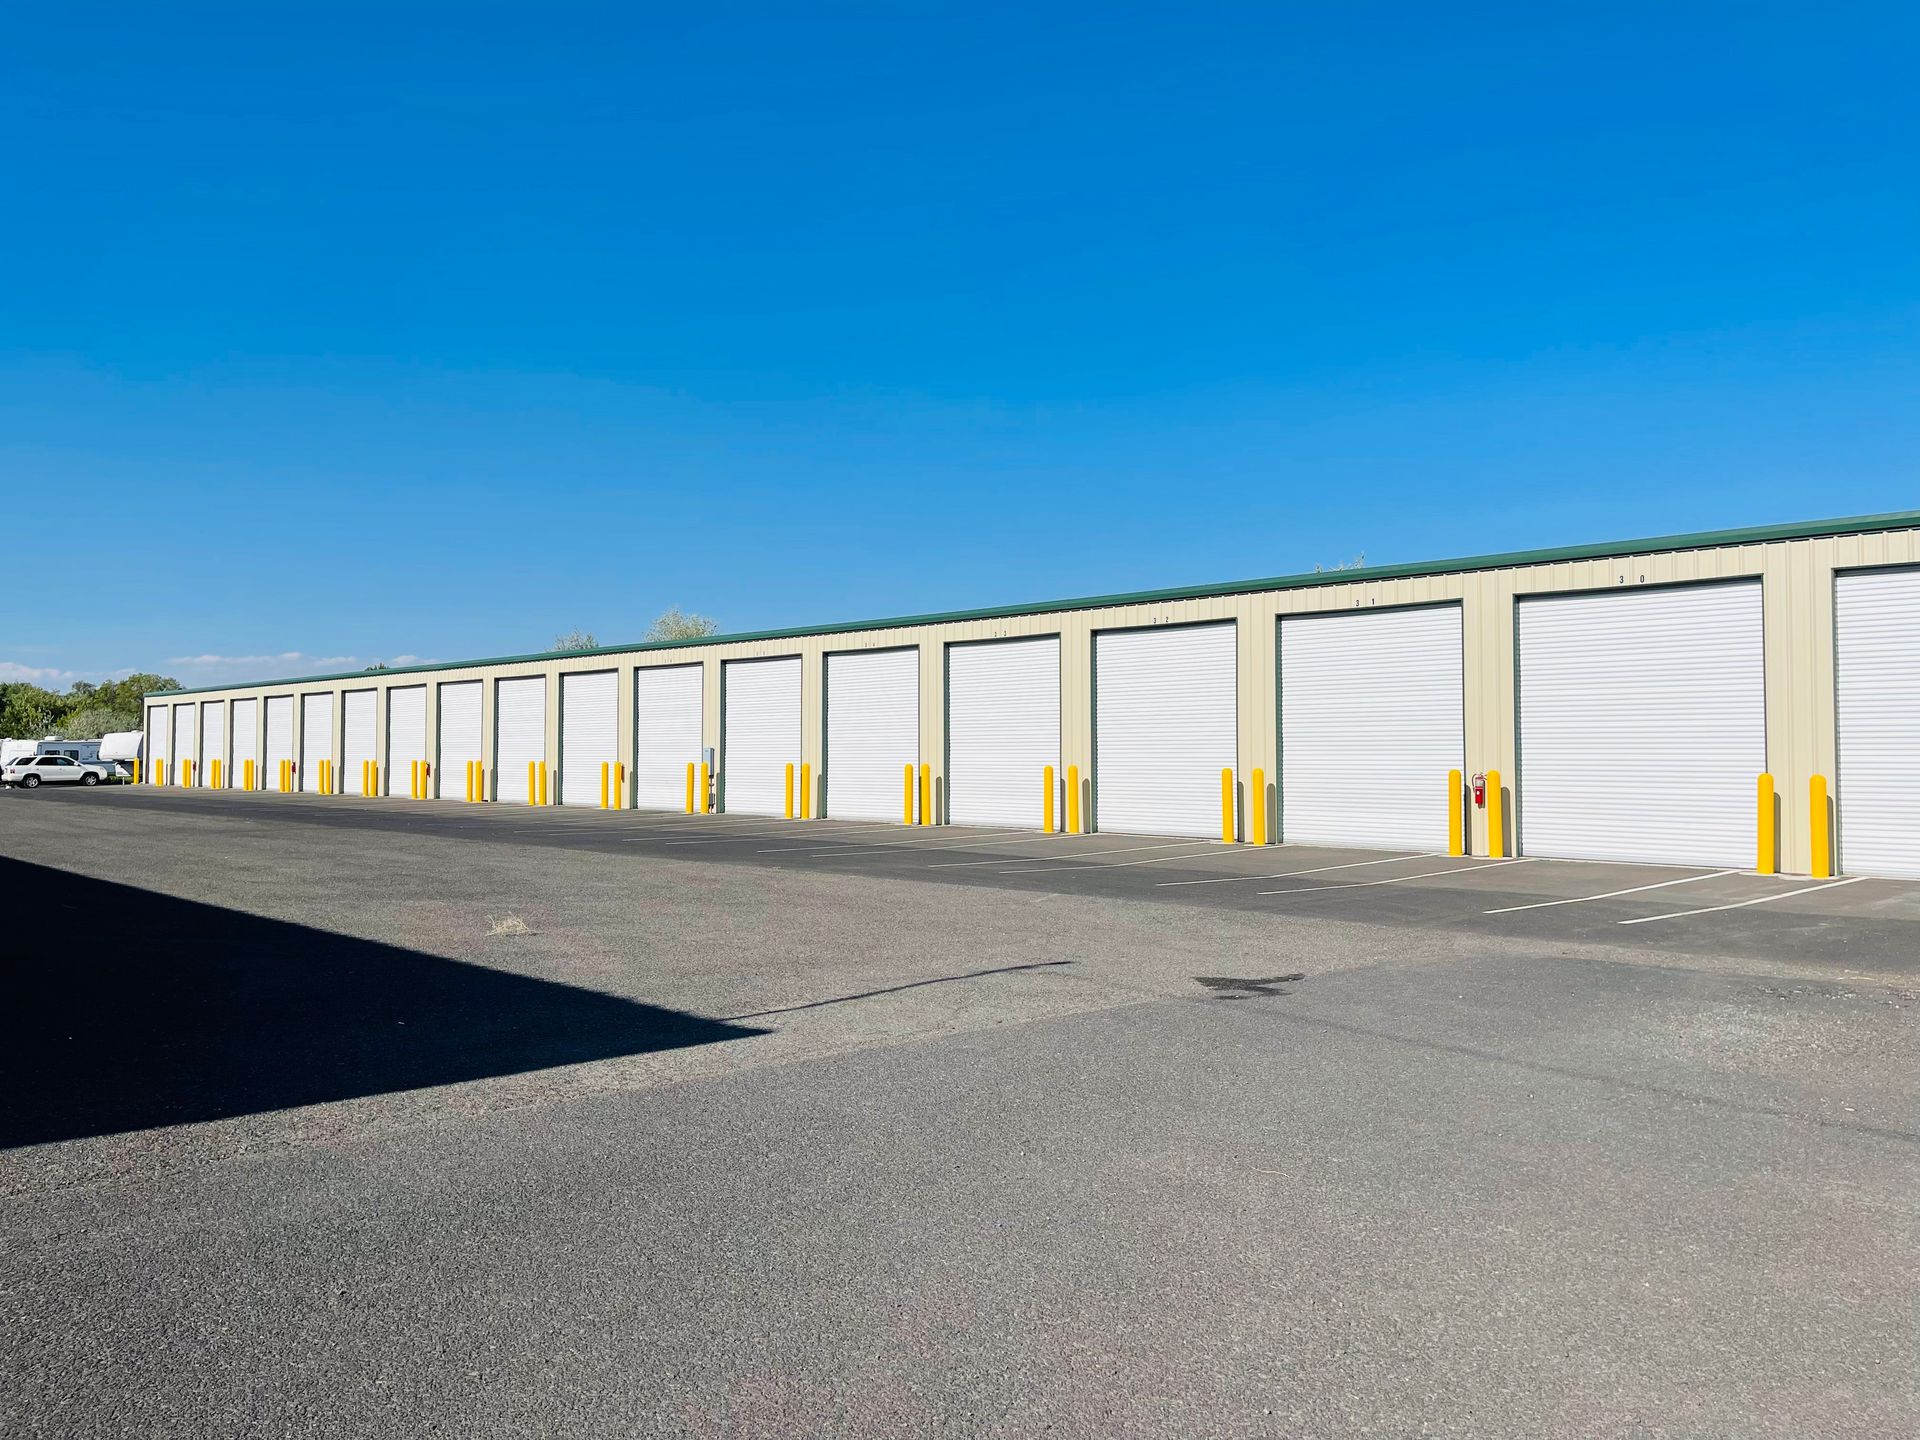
[[159, 742], [316, 738], [279, 738], [359, 737], [1877, 673], [406, 736], [760, 713], [873, 733], [667, 713], [1372, 717], [459, 737], [1165, 726], [1643, 724], [245, 745], [1003, 730], [520, 718], [589, 734]]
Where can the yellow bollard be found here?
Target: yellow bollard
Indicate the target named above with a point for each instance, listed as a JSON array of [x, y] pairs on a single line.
[[706, 787], [606, 783], [1819, 829], [1046, 800], [1763, 831], [789, 790], [1456, 815], [530, 789], [1227, 828], [926, 795], [1073, 799], [907, 793], [543, 785], [806, 790], [186, 774], [1496, 818], [218, 767], [689, 787], [1257, 807]]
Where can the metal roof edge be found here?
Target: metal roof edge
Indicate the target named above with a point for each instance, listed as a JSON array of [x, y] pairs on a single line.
[[1751, 535]]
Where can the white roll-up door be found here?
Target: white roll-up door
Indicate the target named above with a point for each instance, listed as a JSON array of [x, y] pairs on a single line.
[[183, 743], [520, 738], [873, 733], [1877, 632], [406, 737], [213, 725], [589, 734], [1643, 724], [1166, 716], [1003, 730], [667, 734], [316, 738], [357, 738], [245, 745], [159, 739], [459, 737], [760, 733], [1371, 721], [279, 738]]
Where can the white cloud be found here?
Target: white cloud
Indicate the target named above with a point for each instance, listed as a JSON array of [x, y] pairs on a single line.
[[259, 667], [12, 670]]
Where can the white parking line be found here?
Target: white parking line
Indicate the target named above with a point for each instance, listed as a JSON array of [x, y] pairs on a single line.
[[1742, 904], [1122, 864], [1317, 870], [1608, 895], [785, 827], [1397, 879], [1036, 859], [925, 842]]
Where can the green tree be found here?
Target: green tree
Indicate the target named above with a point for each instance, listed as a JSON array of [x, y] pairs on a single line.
[[676, 624], [576, 640], [27, 712]]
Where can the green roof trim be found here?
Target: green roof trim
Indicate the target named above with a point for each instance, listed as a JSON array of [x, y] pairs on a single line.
[[1706, 539]]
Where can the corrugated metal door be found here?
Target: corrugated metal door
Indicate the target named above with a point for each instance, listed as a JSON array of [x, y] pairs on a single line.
[[1371, 720], [760, 733], [357, 737], [667, 714], [1643, 724], [873, 732], [589, 734], [279, 738], [459, 736], [520, 738], [1003, 730], [159, 738], [406, 737], [184, 748], [1877, 632], [246, 744], [316, 738], [1165, 723], [213, 722]]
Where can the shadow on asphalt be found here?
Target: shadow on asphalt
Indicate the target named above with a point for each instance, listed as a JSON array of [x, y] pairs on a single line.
[[125, 1010]]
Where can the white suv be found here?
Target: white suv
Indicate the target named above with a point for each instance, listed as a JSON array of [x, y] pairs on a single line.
[[30, 772]]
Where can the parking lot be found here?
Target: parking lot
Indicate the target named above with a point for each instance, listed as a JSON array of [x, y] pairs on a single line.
[[340, 1116]]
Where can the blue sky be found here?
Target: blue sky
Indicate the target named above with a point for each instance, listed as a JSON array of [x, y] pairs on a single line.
[[361, 332]]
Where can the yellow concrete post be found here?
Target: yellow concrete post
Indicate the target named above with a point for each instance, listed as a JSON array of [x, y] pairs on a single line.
[[689, 787], [806, 790], [532, 797], [1764, 833], [789, 790], [926, 795], [706, 787], [1456, 815], [543, 785], [1046, 800], [606, 783], [1496, 817], [1257, 807], [1227, 828], [1820, 830], [1073, 799], [906, 793]]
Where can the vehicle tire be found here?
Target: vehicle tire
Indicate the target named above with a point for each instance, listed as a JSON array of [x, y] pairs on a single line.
[[89, 779], [30, 782]]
